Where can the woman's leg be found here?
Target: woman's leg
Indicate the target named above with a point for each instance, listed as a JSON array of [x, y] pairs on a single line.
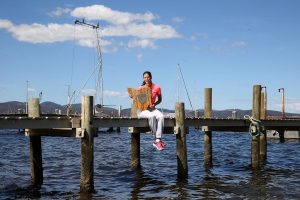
[[160, 123], [151, 119]]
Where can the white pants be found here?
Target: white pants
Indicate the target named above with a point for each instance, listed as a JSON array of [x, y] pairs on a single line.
[[155, 119]]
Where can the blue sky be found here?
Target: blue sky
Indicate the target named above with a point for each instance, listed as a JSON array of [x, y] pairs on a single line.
[[228, 45]]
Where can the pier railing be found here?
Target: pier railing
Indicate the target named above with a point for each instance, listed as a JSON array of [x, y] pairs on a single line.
[[84, 127]]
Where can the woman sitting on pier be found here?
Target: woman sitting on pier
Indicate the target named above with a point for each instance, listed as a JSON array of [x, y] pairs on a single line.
[[154, 116]]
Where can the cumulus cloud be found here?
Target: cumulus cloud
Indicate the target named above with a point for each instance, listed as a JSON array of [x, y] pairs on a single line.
[[146, 30], [5, 24], [119, 24], [144, 43], [100, 12]]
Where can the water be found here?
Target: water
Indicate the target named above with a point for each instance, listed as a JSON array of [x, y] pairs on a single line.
[[230, 178]]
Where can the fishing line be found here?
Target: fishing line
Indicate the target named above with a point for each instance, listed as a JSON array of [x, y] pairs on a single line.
[[185, 88]]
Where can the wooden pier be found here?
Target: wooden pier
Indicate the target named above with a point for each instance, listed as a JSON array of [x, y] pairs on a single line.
[[84, 127]]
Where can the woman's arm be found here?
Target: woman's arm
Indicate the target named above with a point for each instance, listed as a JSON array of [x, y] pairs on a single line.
[[159, 99]]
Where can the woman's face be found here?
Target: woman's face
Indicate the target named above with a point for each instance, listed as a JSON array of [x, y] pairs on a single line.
[[147, 79]]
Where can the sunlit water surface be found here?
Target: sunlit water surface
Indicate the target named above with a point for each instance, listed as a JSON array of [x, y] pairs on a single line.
[[230, 178]]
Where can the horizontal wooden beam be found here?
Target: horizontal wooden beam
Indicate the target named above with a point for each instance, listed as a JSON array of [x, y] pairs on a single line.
[[77, 133], [214, 124], [35, 123]]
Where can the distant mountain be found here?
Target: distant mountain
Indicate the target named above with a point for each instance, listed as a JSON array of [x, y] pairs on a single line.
[[48, 107], [11, 106]]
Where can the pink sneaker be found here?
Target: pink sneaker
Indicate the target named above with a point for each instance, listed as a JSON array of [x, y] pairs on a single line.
[[159, 145]]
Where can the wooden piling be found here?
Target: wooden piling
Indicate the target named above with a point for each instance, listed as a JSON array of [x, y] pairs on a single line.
[[135, 151], [207, 132], [181, 150], [263, 137], [135, 143], [35, 146], [87, 145], [119, 115], [256, 114], [281, 135]]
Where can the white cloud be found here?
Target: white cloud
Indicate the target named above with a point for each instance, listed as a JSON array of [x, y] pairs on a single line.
[[39, 33], [144, 43], [147, 30], [59, 12], [292, 105], [239, 44], [139, 57], [88, 92], [110, 93], [50, 33], [5, 24], [120, 24], [31, 90], [100, 12]]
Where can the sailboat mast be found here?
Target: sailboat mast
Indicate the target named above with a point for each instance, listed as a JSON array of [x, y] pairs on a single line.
[[99, 86], [100, 78]]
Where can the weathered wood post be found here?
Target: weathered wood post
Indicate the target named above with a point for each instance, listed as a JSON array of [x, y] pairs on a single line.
[[207, 131], [135, 143], [119, 115], [87, 145], [256, 115], [182, 166], [263, 137], [35, 146], [281, 135]]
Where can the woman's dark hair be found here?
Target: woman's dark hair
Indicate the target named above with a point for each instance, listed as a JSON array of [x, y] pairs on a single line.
[[149, 73]]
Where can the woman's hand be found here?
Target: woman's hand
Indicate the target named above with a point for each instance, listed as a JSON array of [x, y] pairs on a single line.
[[152, 106]]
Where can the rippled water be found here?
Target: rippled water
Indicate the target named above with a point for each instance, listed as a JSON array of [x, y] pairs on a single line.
[[230, 177]]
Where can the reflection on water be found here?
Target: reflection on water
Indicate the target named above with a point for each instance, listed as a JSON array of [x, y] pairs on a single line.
[[230, 177]]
